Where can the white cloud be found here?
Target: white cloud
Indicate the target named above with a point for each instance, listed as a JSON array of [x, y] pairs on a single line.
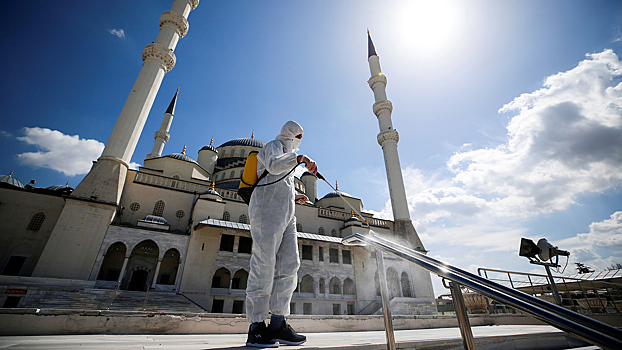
[[118, 32], [67, 154], [134, 166], [600, 247], [565, 141]]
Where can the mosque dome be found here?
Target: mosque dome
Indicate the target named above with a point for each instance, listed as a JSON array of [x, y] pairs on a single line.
[[9, 179], [155, 219], [182, 156], [65, 189], [208, 148], [252, 142], [336, 194]]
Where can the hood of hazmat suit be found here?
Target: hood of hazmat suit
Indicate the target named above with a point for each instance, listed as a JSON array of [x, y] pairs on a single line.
[[274, 261]]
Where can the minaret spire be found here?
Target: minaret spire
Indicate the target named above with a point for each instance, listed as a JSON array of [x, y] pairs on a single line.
[[162, 136], [388, 139], [370, 46]]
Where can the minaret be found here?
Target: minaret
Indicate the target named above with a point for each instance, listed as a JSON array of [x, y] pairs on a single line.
[[90, 209], [158, 59], [162, 136], [388, 138]]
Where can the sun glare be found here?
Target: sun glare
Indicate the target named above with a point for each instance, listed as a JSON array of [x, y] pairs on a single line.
[[430, 29]]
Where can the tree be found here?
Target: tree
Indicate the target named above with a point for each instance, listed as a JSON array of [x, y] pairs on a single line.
[[583, 269], [616, 266]]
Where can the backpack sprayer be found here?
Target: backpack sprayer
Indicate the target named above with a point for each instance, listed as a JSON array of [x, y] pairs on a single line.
[[249, 180]]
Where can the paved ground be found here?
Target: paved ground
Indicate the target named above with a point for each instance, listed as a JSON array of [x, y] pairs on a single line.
[[360, 340]]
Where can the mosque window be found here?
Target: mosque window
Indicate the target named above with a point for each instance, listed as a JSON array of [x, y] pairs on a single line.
[[226, 243], [216, 178], [242, 153], [180, 214], [333, 233], [336, 309], [158, 208], [321, 253], [322, 231], [243, 219], [333, 255], [322, 286], [238, 307], [226, 216], [36, 222], [348, 287], [307, 252], [346, 255], [245, 245], [299, 227], [232, 174], [307, 309], [134, 207]]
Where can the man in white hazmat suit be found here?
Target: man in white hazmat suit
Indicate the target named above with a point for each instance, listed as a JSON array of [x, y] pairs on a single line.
[[274, 261]]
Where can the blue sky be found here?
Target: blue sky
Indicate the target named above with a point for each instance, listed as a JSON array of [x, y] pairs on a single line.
[[509, 114]]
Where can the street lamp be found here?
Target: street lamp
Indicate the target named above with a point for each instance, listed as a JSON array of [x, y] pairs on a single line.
[[543, 254]]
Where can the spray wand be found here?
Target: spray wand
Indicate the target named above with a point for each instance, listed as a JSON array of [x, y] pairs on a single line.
[[319, 176]]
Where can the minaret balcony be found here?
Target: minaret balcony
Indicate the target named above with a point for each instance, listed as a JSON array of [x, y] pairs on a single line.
[[390, 136], [378, 79], [176, 21], [159, 54], [381, 106]]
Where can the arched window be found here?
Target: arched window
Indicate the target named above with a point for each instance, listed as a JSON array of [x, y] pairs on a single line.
[[226, 216], [232, 174], [36, 222], [221, 278], [406, 292], [299, 227], [239, 279], [348, 287], [113, 261], [334, 286], [243, 219], [158, 208], [307, 284], [322, 286], [321, 231], [242, 153], [169, 267], [333, 233]]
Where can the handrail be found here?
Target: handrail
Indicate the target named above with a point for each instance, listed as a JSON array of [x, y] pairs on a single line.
[[479, 269], [579, 325]]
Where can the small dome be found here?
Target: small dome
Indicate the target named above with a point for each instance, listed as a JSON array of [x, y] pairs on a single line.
[[353, 218], [155, 219], [9, 179], [244, 142], [61, 188], [208, 148], [182, 156], [335, 194]]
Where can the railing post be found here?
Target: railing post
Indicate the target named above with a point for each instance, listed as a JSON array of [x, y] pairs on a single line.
[[384, 295], [463, 317], [558, 299]]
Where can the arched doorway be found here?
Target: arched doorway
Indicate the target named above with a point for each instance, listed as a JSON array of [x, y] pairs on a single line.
[[169, 266], [113, 262], [142, 265], [138, 280]]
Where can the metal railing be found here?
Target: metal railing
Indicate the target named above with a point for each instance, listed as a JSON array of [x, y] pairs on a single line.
[[581, 326], [589, 296]]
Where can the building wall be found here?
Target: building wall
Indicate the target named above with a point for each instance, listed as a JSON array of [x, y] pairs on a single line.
[[17, 208]]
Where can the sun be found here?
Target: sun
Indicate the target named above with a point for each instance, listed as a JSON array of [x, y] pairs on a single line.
[[429, 29]]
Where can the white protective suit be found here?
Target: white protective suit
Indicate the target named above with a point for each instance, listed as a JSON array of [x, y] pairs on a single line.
[[274, 261]]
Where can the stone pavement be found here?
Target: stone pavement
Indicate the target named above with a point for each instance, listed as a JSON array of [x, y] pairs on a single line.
[[370, 340]]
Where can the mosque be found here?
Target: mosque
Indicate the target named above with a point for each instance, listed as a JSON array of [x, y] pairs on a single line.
[[177, 225]]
